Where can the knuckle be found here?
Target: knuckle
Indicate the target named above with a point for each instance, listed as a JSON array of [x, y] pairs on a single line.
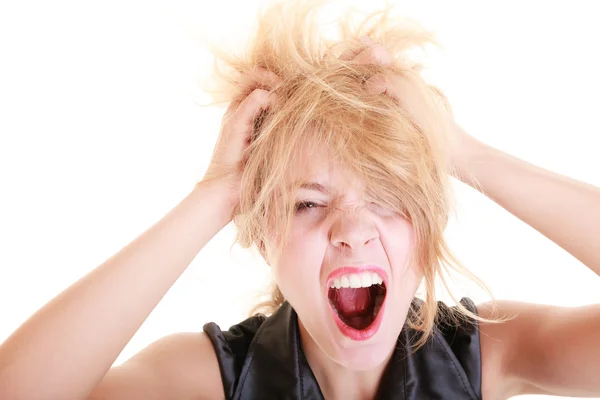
[[380, 54], [262, 77], [259, 95], [267, 75]]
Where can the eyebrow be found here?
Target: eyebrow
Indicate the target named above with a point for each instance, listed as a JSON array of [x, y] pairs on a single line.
[[314, 186]]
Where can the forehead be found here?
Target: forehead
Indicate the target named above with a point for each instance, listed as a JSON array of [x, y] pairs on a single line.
[[316, 169]]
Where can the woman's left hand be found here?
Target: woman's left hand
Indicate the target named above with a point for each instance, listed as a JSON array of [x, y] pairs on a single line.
[[462, 144]]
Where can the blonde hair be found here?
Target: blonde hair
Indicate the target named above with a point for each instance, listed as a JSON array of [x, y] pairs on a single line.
[[322, 104]]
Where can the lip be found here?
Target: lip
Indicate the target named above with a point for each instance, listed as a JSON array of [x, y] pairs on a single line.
[[349, 332]]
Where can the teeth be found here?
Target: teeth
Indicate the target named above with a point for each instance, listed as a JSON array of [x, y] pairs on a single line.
[[376, 279], [365, 279], [345, 282], [355, 281]]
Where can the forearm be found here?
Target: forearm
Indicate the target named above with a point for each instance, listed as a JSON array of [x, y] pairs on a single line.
[[564, 210], [66, 347]]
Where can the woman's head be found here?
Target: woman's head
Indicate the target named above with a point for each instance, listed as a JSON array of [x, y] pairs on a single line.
[[341, 236], [384, 198]]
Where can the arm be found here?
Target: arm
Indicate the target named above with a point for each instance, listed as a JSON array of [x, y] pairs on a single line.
[[64, 350], [564, 210], [181, 366], [523, 355], [545, 349]]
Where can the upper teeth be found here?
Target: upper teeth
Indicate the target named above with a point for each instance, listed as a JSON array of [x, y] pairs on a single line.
[[364, 279]]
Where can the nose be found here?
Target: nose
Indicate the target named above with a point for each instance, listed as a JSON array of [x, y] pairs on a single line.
[[353, 229]]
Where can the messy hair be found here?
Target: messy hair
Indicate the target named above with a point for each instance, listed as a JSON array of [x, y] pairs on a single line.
[[322, 105]]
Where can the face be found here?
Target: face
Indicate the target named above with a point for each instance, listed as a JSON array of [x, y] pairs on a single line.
[[338, 239]]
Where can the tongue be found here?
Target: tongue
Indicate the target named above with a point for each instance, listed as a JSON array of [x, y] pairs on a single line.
[[352, 301]]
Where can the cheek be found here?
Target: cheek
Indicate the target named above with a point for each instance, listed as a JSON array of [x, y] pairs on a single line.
[[399, 241], [298, 270]]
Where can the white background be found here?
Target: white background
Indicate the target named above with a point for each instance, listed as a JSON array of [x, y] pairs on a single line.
[[101, 135]]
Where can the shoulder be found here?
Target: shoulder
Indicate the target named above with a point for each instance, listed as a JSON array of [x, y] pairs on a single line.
[[460, 331], [185, 357], [501, 342], [460, 335], [238, 337], [230, 348], [482, 348], [527, 354], [180, 365], [520, 336], [451, 355]]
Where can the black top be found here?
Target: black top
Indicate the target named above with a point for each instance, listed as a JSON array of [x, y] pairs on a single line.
[[262, 358]]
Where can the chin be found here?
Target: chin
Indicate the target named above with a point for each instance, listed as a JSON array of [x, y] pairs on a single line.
[[360, 316], [365, 357], [367, 348]]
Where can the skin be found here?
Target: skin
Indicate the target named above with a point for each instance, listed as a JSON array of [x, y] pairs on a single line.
[[547, 349], [323, 238], [66, 349], [523, 356]]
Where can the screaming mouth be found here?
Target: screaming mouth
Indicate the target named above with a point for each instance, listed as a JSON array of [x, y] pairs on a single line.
[[357, 307]]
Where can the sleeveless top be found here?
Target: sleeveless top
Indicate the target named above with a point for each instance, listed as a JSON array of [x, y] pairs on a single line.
[[262, 358]]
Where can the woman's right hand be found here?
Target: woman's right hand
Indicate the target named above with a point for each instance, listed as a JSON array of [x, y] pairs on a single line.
[[66, 349], [227, 163]]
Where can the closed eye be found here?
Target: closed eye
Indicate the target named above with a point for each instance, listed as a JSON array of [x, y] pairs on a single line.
[[382, 209], [304, 206]]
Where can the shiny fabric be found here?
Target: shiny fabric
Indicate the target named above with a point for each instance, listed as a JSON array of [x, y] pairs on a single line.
[[262, 358]]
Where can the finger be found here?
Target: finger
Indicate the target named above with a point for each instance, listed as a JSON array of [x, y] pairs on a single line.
[[255, 78], [259, 77], [375, 54], [265, 77], [367, 40], [384, 84], [441, 97], [349, 54], [249, 109]]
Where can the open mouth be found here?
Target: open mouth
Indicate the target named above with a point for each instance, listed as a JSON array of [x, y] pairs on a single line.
[[357, 299]]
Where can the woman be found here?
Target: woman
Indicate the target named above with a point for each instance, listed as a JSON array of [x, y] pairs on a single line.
[[351, 226]]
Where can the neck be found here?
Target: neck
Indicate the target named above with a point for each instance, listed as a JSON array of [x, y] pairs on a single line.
[[337, 381]]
